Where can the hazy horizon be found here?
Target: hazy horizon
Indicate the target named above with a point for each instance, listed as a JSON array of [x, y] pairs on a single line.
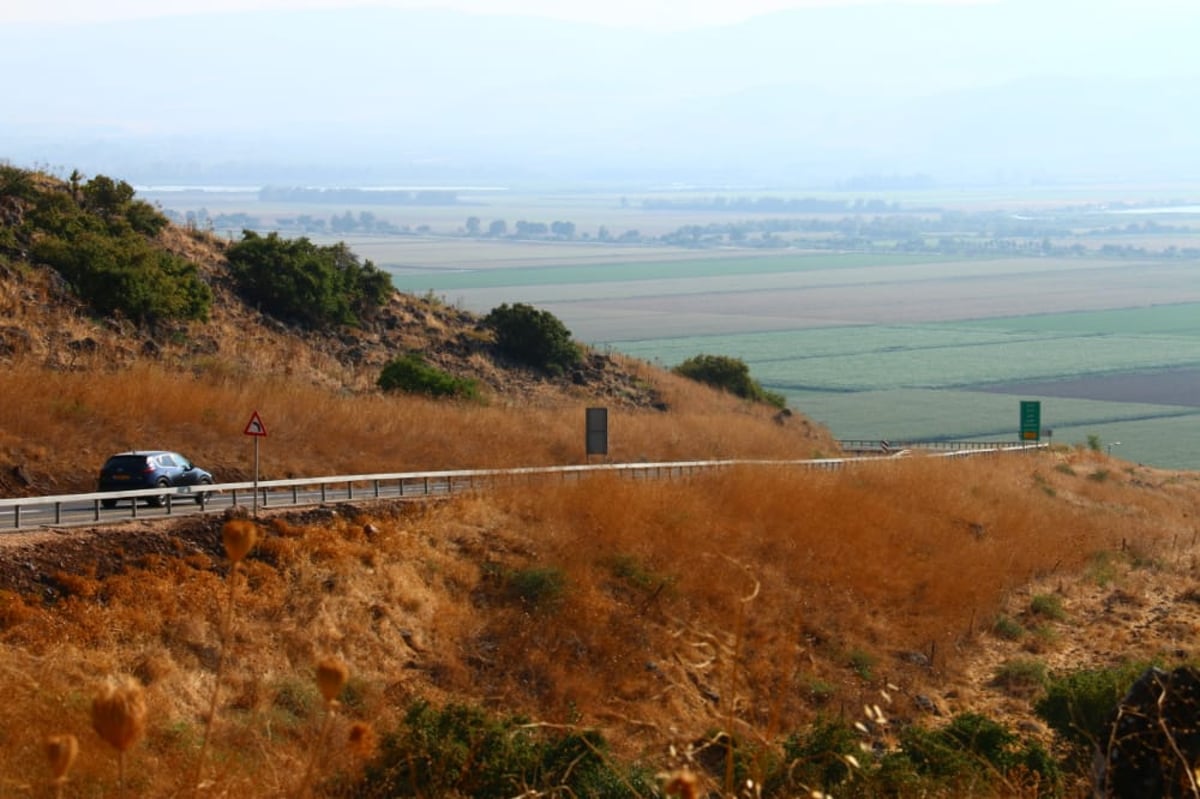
[[1010, 92]]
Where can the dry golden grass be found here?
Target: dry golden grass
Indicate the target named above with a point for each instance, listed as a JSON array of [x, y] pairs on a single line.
[[747, 600], [66, 423]]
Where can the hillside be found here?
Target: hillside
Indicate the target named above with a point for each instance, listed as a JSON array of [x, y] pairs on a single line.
[[630, 629], [45, 320], [759, 601], [103, 382]]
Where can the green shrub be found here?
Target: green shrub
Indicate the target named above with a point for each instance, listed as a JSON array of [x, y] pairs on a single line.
[[863, 663], [411, 374], [305, 284], [537, 587], [1077, 705], [533, 337], [463, 751], [815, 759], [1007, 627], [728, 374], [98, 237], [125, 275], [973, 749], [1048, 606], [1021, 676]]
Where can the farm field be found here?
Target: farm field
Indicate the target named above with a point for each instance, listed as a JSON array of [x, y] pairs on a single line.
[[874, 345], [904, 347]]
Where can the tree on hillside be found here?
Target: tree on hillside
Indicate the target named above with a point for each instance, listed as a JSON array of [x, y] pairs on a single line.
[[301, 282], [537, 338], [728, 374], [99, 238]]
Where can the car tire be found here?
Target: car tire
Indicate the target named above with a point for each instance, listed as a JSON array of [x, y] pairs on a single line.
[[157, 502], [203, 496], [108, 503]]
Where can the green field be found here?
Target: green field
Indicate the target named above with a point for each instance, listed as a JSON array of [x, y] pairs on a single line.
[[894, 346], [872, 344]]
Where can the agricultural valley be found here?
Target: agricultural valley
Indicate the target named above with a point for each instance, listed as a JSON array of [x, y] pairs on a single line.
[[898, 627]]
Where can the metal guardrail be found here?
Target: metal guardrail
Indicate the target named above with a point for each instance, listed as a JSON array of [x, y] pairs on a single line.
[[75, 509]]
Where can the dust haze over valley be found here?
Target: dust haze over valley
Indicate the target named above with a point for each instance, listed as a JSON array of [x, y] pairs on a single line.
[[576, 112], [903, 218], [948, 94]]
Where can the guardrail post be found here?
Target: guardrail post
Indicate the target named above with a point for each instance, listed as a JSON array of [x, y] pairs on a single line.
[[322, 493], [58, 513], [295, 495], [349, 490], [16, 517]]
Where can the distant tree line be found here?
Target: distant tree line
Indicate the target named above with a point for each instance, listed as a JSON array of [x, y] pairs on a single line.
[[770, 205]]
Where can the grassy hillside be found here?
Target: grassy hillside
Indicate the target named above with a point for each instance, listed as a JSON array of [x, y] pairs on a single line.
[[886, 630], [652, 616], [93, 380]]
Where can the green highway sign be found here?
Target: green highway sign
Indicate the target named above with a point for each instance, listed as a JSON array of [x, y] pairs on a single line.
[[1031, 420]]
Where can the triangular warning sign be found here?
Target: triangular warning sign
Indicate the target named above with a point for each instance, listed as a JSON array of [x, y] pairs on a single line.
[[255, 426]]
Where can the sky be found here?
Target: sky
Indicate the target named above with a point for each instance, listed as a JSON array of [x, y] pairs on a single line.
[[962, 90], [651, 14]]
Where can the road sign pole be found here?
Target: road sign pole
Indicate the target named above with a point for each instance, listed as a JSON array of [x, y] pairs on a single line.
[[256, 430], [254, 505]]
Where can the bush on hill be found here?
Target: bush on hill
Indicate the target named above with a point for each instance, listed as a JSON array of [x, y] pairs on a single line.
[[411, 374], [728, 374], [99, 238], [306, 284], [533, 337]]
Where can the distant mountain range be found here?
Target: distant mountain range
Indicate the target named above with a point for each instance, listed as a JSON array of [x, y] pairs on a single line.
[[1012, 91]]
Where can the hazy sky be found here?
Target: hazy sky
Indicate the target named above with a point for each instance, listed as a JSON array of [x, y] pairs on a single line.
[[632, 13]]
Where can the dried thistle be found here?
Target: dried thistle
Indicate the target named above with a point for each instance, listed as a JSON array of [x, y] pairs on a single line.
[[61, 751], [119, 713], [361, 740], [239, 537], [681, 783], [332, 674]]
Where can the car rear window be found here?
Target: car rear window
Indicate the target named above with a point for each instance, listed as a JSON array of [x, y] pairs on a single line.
[[126, 463]]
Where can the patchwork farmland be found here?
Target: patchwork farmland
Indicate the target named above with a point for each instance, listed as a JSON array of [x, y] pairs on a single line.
[[1099, 318], [899, 346]]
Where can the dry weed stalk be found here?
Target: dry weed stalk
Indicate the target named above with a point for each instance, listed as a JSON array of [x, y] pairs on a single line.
[[331, 678], [238, 537], [61, 751], [119, 717]]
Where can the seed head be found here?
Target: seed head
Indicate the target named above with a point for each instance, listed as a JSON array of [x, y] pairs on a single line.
[[361, 739], [119, 712], [681, 783], [239, 537], [331, 677], [61, 751]]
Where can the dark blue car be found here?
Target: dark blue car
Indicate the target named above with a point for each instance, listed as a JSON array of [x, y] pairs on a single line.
[[127, 471]]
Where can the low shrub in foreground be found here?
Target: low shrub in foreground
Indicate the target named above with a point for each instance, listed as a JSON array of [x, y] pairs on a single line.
[[463, 751]]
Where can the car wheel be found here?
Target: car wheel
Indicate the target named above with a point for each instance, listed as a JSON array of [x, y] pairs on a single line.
[[157, 502], [203, 496], [108, 503]]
